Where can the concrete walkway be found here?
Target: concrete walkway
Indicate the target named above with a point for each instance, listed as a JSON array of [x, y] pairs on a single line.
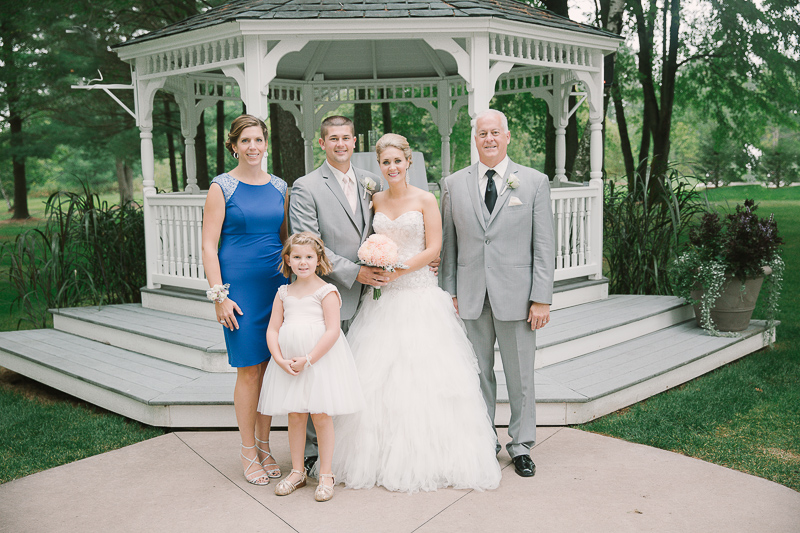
[[191, 481]]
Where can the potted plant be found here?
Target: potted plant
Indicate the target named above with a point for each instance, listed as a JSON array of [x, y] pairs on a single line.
[[722, 272]]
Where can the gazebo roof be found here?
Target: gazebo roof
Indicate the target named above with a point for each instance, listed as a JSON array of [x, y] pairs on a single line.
[[369, 9]]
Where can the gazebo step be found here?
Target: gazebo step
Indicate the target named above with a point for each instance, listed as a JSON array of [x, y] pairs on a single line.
[[193, 342], [569, 293], [193, 303], [199, 343], [585, 328], [166, 394]]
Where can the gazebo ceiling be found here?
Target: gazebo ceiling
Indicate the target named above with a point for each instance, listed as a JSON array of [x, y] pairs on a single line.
[[240, 10]]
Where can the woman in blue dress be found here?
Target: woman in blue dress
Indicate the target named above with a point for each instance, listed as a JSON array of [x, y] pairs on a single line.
[[244, 226]]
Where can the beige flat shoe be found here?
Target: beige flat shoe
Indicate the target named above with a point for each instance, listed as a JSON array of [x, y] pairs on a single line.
[[286, 487], [324, 492]]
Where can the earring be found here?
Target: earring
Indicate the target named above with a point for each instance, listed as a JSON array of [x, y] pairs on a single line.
[[236, 155]]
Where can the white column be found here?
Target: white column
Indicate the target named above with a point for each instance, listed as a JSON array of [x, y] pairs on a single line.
[[309, 127], [480, 91], [143, 95], [445, 127]]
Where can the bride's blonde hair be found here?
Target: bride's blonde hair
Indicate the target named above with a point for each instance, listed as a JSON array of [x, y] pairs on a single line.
[[305, 238], [393, 140]]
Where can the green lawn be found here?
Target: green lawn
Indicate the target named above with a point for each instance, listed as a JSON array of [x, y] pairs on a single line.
[[745, 415]]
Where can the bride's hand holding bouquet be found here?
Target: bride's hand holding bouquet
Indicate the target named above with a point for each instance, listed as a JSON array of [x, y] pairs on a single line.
[[379, 251]]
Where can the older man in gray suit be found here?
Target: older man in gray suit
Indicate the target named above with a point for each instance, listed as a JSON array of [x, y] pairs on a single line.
[[335, 202], [498, 264]]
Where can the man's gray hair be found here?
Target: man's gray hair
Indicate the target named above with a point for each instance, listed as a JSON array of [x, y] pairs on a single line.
[[503, 119]]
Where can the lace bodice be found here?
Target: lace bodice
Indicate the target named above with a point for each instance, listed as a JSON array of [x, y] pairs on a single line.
[[408, 232]]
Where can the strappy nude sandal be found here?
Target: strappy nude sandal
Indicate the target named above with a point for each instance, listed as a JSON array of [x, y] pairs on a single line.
[[256, 477], [324, 492], [272, 469], [286, 487]]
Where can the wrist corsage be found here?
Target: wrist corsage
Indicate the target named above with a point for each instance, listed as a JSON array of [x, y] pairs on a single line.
[[218, 293], [308, 362]]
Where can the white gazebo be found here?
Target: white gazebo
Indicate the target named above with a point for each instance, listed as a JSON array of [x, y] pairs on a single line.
[[311, 57]]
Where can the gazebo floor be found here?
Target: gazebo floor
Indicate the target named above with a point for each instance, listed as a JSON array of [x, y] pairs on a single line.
[[170, 370]]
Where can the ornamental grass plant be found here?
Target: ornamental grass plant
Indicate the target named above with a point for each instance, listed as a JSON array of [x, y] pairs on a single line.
[[87, 253]]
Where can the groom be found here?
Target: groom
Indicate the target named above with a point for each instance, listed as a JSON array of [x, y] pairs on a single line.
[[335, 202], [498, 265]]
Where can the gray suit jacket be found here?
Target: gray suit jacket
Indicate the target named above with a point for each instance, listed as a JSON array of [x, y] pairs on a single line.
[[318, 205], [511, 257]]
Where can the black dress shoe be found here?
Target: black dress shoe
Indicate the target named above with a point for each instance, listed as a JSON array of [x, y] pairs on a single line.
[[309, 463], [524, 466]]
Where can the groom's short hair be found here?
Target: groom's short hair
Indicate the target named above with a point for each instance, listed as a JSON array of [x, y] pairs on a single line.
[[335, 120]]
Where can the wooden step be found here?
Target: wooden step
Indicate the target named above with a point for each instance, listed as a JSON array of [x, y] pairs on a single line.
[[167, 394], [189, 341]]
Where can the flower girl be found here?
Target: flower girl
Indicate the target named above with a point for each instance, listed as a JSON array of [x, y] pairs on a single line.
[[312, 369]]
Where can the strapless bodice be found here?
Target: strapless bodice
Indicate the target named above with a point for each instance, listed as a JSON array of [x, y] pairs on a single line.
[[408, 232]]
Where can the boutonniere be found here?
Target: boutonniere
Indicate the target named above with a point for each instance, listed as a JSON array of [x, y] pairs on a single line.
[[369, 187], [513, 181]]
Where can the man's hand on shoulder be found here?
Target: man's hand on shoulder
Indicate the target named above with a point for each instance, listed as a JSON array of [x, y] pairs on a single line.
[[539, 315]]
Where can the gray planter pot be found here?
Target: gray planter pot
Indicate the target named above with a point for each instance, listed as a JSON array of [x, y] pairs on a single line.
[[734, 308]]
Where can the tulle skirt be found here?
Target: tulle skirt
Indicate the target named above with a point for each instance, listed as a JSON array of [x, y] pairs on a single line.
[[425, 424], [329, 386]]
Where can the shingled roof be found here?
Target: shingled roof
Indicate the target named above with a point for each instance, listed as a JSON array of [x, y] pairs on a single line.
[[369, 9]]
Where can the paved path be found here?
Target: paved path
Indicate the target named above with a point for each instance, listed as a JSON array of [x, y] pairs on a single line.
[[190, 481]]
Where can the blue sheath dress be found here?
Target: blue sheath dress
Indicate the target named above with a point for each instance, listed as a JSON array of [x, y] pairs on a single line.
[[249, 259]]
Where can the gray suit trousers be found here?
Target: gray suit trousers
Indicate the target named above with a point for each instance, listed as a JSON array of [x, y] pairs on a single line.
[[517, 350]]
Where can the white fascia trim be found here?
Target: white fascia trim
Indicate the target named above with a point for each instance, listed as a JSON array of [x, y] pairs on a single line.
[[181, 40]]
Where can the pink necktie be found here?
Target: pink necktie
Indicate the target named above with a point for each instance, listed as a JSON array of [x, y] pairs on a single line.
[[350, 192]]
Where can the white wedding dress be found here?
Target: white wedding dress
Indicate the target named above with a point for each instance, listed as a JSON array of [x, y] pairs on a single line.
[[425, 425]]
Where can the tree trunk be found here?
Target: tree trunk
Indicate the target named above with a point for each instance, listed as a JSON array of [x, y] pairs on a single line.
[[173, 168], [201, 154], [362, 120], [386, 110], [124, 181], [275, 139], [291, 146], [221, 137], [661, 135], [18, 162]]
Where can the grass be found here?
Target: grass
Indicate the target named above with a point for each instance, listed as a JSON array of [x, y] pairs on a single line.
[[39, 433], [745, 415]]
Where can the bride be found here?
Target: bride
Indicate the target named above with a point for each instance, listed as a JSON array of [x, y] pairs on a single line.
[[425, 425]]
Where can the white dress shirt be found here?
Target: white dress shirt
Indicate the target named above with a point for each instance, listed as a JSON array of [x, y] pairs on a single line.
[[500, 172], [340, 177]]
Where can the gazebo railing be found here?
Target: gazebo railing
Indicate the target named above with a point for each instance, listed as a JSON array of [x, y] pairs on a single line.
[[175, 222]]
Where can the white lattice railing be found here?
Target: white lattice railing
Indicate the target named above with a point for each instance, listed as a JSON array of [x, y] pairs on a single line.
[[577, 221], [531, 51], [175, 221], [198, 57]]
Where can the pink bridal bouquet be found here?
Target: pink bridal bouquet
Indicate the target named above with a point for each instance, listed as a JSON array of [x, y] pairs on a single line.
[[379, 251]]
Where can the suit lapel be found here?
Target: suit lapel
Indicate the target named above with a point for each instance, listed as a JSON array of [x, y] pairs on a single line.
[[502, 200], [364, 197], [336, 189], [475, 193]]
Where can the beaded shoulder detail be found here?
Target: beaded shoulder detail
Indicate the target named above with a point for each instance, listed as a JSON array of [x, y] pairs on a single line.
[[325, 290], [227, 183], [279, 184], [283, 290]]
